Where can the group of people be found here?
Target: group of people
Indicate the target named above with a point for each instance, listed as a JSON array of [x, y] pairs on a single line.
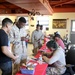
[[37, 38], [56, 54], [18, 37], [56, 57]]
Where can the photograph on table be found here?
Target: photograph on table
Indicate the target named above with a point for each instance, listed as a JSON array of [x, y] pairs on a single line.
[[59, 23]]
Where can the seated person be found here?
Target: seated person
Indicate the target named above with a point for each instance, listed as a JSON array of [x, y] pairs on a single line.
[[57, 59], [56, 33], [59, 41], [44, 47]]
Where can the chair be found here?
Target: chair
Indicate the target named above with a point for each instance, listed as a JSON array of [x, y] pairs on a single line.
[[67, 44], [70, 61], [70, 56]]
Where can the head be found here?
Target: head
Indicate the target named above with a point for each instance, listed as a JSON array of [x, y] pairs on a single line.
[[41, 27], [38, 27], [21, 22], [7, 24], [56, 33], [57, 37], [52, 45]]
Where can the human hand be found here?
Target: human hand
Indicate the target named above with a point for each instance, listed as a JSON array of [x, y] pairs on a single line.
[[44, 54], [23, 38], [43, 57], [38, 40], [46, 59], [15, 58]]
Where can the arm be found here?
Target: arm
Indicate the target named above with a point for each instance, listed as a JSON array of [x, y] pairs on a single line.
[[42, 37], [7, 53], [46, 59], [32, 38], [25, 35], [12, 36], [4, 47], [62, 44], [48, 54], [53, 59]]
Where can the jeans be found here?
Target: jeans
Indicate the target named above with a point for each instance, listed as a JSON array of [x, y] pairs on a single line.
[[6, 68], [26, 44]]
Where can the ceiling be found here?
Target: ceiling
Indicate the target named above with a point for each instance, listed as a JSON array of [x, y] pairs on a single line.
[[42, 6], [9, 8], [62, 5]]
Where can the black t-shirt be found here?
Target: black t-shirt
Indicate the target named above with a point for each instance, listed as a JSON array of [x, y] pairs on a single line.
[[3, 42]]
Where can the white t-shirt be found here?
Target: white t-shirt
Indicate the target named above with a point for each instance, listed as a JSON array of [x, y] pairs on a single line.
[[58, 58]]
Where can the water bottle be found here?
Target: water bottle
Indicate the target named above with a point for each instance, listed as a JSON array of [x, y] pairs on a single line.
[[40, 59]]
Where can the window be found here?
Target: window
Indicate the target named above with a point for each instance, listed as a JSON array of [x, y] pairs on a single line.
[[73, 25], [43, 20]]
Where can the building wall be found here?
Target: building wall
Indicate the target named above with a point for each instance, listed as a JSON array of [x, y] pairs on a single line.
[[7, 16], [32, 23], [68, 16], [63, 32]]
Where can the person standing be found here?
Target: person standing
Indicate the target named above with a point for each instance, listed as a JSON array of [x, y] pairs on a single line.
[[5, 54], [41, 27], [17, 39], [36, 38], [27, 38]]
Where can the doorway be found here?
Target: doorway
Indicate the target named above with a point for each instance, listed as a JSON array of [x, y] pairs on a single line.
[[72, 33]]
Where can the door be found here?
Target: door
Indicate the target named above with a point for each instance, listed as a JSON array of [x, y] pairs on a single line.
[[72, 33]]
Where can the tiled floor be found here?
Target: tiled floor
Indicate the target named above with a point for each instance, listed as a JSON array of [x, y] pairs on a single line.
[[29, 52]]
